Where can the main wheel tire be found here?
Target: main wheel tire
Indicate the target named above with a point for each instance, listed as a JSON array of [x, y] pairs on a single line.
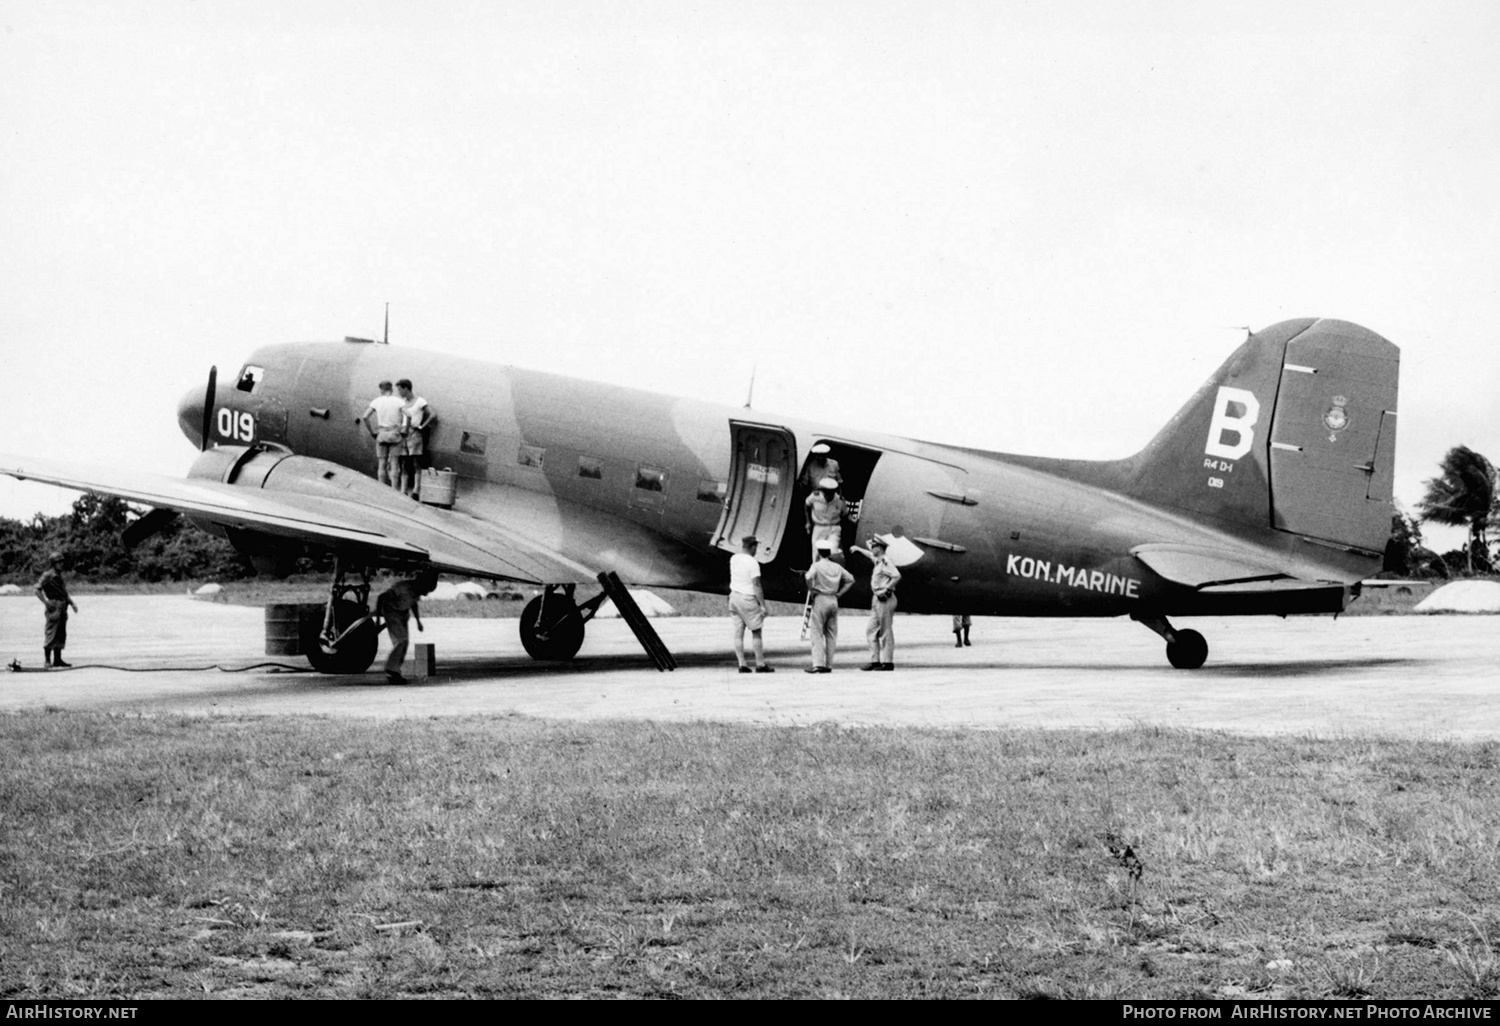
[[355, 652], [1188, 651], [560, 634]]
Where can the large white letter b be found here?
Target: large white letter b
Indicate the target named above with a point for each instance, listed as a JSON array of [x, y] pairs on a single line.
[[1225, 421]]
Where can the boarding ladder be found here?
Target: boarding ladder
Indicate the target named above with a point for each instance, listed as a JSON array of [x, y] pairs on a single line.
[[631, 614]]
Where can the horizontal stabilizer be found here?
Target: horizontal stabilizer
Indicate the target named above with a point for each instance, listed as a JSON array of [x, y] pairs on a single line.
[[1281, 585], [1198, 567]]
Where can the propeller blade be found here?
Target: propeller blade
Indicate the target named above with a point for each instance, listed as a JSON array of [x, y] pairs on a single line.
[[146, 525], [208, 405]]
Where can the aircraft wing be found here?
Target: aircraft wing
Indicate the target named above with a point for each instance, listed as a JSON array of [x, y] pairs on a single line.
[[406, 532], [1223, 571]]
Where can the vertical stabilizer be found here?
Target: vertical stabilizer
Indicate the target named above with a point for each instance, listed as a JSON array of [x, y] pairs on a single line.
[[1296, 431]]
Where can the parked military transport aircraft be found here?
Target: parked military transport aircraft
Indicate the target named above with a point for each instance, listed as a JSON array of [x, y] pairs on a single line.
[[1268, 493]]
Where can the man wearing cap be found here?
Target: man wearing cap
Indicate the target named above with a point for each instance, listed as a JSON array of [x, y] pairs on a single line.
[[824, 514], [879, 633], [747, 604], [826, 584], [53, 591], [822, 465]]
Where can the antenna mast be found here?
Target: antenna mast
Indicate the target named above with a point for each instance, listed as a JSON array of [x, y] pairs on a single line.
[[387, 338]]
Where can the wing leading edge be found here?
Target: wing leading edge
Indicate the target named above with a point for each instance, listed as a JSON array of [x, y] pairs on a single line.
[[451, 542]]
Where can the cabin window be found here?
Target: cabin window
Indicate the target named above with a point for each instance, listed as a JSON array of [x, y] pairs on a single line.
[[531, 456], [650, 479], [591, 467], [712, 491], [473, 443], [250, 378]]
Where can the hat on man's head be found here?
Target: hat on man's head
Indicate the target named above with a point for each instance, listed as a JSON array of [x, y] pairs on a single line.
[[820, 449], [824, 544], [877, 540], [828, 482]]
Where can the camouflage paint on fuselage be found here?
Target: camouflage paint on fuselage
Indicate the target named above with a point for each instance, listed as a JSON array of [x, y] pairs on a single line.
[[632, 481]]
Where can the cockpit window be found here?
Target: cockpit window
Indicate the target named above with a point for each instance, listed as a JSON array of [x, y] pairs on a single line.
[[250, 378]]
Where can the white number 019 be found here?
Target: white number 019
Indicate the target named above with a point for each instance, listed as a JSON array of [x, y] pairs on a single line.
[[236, 427]]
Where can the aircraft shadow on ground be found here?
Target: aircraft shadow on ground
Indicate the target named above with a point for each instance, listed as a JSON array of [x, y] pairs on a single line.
[[462, 671], [1301, 667]]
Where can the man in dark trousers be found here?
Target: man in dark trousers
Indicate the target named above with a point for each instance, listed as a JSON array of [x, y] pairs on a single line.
[[53, 591], [395, 605], [826, 584]]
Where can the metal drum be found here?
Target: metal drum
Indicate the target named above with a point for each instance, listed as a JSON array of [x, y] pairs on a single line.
[[284, 629]]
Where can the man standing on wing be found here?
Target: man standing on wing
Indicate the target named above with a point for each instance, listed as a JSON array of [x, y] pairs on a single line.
[[386, 409]]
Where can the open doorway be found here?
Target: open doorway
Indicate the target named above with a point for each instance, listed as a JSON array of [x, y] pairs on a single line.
[[856, 465]]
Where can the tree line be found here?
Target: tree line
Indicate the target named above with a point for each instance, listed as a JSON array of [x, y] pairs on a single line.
[[90, 539], [1465, 493]]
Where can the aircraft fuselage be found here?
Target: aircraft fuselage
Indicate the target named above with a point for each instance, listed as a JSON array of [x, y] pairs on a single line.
[[636, 482]]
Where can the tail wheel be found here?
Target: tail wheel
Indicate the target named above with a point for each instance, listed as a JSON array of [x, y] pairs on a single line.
[[1187, 650], [552, 629], [355, 649]]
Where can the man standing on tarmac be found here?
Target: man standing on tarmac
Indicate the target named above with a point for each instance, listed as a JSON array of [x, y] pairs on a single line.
[[747, 604], [53, 591], [880, 633], [826, 584]]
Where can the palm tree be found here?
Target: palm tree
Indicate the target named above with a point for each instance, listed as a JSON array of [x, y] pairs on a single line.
[[1462, 495]]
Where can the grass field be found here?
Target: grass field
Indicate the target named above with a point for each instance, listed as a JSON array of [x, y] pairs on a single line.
[[300, 857]]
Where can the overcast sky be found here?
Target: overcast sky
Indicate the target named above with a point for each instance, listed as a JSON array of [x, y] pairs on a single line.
[[1030, 227]]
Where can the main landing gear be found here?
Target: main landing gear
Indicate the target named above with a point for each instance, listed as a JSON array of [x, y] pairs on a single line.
[[552, 623], [346, 638], [1186, 650]]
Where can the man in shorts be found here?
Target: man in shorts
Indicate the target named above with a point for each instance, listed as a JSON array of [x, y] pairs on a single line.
[[747, 604], [386, 431], [417, 418]]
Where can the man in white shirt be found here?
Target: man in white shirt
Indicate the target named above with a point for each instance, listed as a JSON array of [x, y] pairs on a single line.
[[386, 409], [417, 417], [747, 604], [826, 584]]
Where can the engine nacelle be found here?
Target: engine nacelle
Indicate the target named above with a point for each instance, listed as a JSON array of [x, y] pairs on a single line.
[[277, 470]]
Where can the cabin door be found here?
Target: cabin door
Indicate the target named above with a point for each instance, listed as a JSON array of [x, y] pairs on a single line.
[[762, 475]]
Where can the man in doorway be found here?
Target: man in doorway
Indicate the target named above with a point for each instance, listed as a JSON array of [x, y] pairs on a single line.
[[417, 417], [386, 409], [53, 591], [747, 604], [880, 631], [827, 582], [824, 515], [821, 465], [395, 605]]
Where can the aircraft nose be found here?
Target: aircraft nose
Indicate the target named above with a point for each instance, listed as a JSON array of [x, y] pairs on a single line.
[[190, 415]]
